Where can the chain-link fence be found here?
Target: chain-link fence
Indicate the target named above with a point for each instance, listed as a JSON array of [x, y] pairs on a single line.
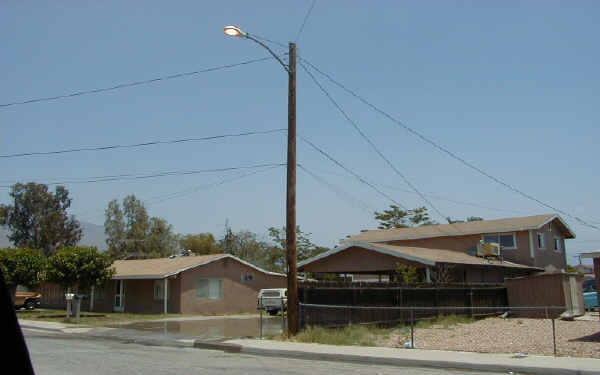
[[531, 329]]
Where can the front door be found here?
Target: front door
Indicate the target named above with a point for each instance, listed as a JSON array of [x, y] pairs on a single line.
[[119, 304]]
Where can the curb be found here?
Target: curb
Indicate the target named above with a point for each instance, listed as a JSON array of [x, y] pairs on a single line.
[[42, 328], [212, 345], [415, 362]]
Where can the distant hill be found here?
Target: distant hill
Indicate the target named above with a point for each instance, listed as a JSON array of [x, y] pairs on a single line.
[[93, 235]]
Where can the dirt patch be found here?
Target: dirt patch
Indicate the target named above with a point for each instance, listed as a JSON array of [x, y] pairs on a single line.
[[514, 335]]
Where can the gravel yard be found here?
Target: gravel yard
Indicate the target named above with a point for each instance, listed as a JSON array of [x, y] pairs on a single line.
[[513, 335]]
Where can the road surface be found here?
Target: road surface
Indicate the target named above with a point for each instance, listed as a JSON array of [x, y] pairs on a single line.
[[59, 354]]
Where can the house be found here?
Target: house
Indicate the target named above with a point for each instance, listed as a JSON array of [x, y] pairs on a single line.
[[586, 270], [448, 251], [206, 284]]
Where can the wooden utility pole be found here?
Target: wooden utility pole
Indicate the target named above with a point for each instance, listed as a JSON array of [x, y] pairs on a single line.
[[290, 225]]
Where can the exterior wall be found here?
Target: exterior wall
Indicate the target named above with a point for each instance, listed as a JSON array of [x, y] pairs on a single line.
[[139, 297], [356, 259], [238, 296], [522, 254], [597, 273], [519, 255], [548, 256], [543, 290]]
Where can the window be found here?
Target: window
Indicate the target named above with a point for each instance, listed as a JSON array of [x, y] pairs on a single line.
[[99, 292], [159, 289], [247, 278], [557, 244], [209, 289], [541, 241], [507, 241]]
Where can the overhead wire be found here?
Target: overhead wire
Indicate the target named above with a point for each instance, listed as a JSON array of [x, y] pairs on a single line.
[[444, 149], [184, 192], [133, 176], [353, 201], [348, 170], [132, 84], [143, 144], [370, 142], [305, 19]]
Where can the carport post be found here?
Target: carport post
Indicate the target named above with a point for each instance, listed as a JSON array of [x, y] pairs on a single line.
[[166, 295]]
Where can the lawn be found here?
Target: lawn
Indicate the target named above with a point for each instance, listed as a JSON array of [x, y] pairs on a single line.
[[89, 318]]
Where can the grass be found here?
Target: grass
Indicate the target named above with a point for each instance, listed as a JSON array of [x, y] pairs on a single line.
[[89, 318], [365, 335]]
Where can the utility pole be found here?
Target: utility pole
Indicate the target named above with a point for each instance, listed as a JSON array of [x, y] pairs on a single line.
[[290, 225], [290, 207]]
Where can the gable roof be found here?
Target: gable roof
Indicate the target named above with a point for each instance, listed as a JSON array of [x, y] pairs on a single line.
[[458, 229], [425, 256], [161, 268]]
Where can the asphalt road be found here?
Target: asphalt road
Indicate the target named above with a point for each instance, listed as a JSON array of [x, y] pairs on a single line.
[[58, 354]]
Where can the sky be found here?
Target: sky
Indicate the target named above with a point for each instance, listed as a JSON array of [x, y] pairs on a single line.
[[511, 87]]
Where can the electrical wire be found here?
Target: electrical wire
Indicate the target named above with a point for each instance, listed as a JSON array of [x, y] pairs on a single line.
[[305, 19], [132, 176], [359, 178], [131, 84], [353, 201], [370, 142], [445, 150], [182, 193], [144, 144]]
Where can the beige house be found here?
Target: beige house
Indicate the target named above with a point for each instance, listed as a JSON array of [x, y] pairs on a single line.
[[527, 245], [207, 284]]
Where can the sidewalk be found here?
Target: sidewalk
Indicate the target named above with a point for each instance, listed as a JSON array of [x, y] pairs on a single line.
[[421, 358], [542, 365]]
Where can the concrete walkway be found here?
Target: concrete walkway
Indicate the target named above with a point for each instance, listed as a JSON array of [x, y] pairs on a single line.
[[381, 356], [421, 358]]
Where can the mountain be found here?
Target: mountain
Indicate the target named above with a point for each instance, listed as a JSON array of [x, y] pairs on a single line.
[[93, 235]]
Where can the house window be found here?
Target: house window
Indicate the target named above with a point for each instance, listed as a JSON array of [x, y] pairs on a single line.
[[541, 241], [557, 244], [99, 292], [507, 241], [247, 278], [209, 289], [159, 289]]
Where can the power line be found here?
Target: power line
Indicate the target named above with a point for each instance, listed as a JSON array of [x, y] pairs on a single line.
[[181, 193], [353, 201], [144, 144], [305, 19], [131, 84], [445, 150], [359, 178], [121, 177], [368, 140]]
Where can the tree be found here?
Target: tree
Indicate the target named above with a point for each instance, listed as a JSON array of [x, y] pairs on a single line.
[[469, 219], [132, 233], [395, 217], [38, 218], [247, 246], [22, 267], [305, 248], [200, 244], [406, 274], [474, 218], [79, 268]]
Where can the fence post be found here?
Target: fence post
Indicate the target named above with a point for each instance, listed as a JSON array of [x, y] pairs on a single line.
[[282, 317], [260, 324], [412, 328], [554, 336]]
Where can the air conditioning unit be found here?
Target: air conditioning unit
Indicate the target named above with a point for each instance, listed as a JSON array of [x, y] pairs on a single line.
[[488, 249]]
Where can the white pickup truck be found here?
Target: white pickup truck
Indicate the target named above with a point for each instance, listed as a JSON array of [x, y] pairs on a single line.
[[272, 300]]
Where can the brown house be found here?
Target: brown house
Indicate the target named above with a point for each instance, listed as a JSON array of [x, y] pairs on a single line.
[[207, 284], [527, 245]]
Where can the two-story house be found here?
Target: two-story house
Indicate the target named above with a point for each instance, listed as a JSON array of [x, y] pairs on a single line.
[[527, 245]]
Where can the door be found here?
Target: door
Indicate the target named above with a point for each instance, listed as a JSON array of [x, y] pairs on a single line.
[[119, 303]]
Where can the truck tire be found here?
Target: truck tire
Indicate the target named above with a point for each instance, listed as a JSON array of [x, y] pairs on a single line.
[[29, 305], [273, 312]]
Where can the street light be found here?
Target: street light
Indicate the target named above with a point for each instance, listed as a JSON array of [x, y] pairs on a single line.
[[290, 224]]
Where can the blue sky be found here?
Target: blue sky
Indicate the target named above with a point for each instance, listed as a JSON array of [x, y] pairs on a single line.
[[510, 86]]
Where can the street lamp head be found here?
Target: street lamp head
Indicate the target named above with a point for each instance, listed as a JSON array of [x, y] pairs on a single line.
[[234, 31]]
